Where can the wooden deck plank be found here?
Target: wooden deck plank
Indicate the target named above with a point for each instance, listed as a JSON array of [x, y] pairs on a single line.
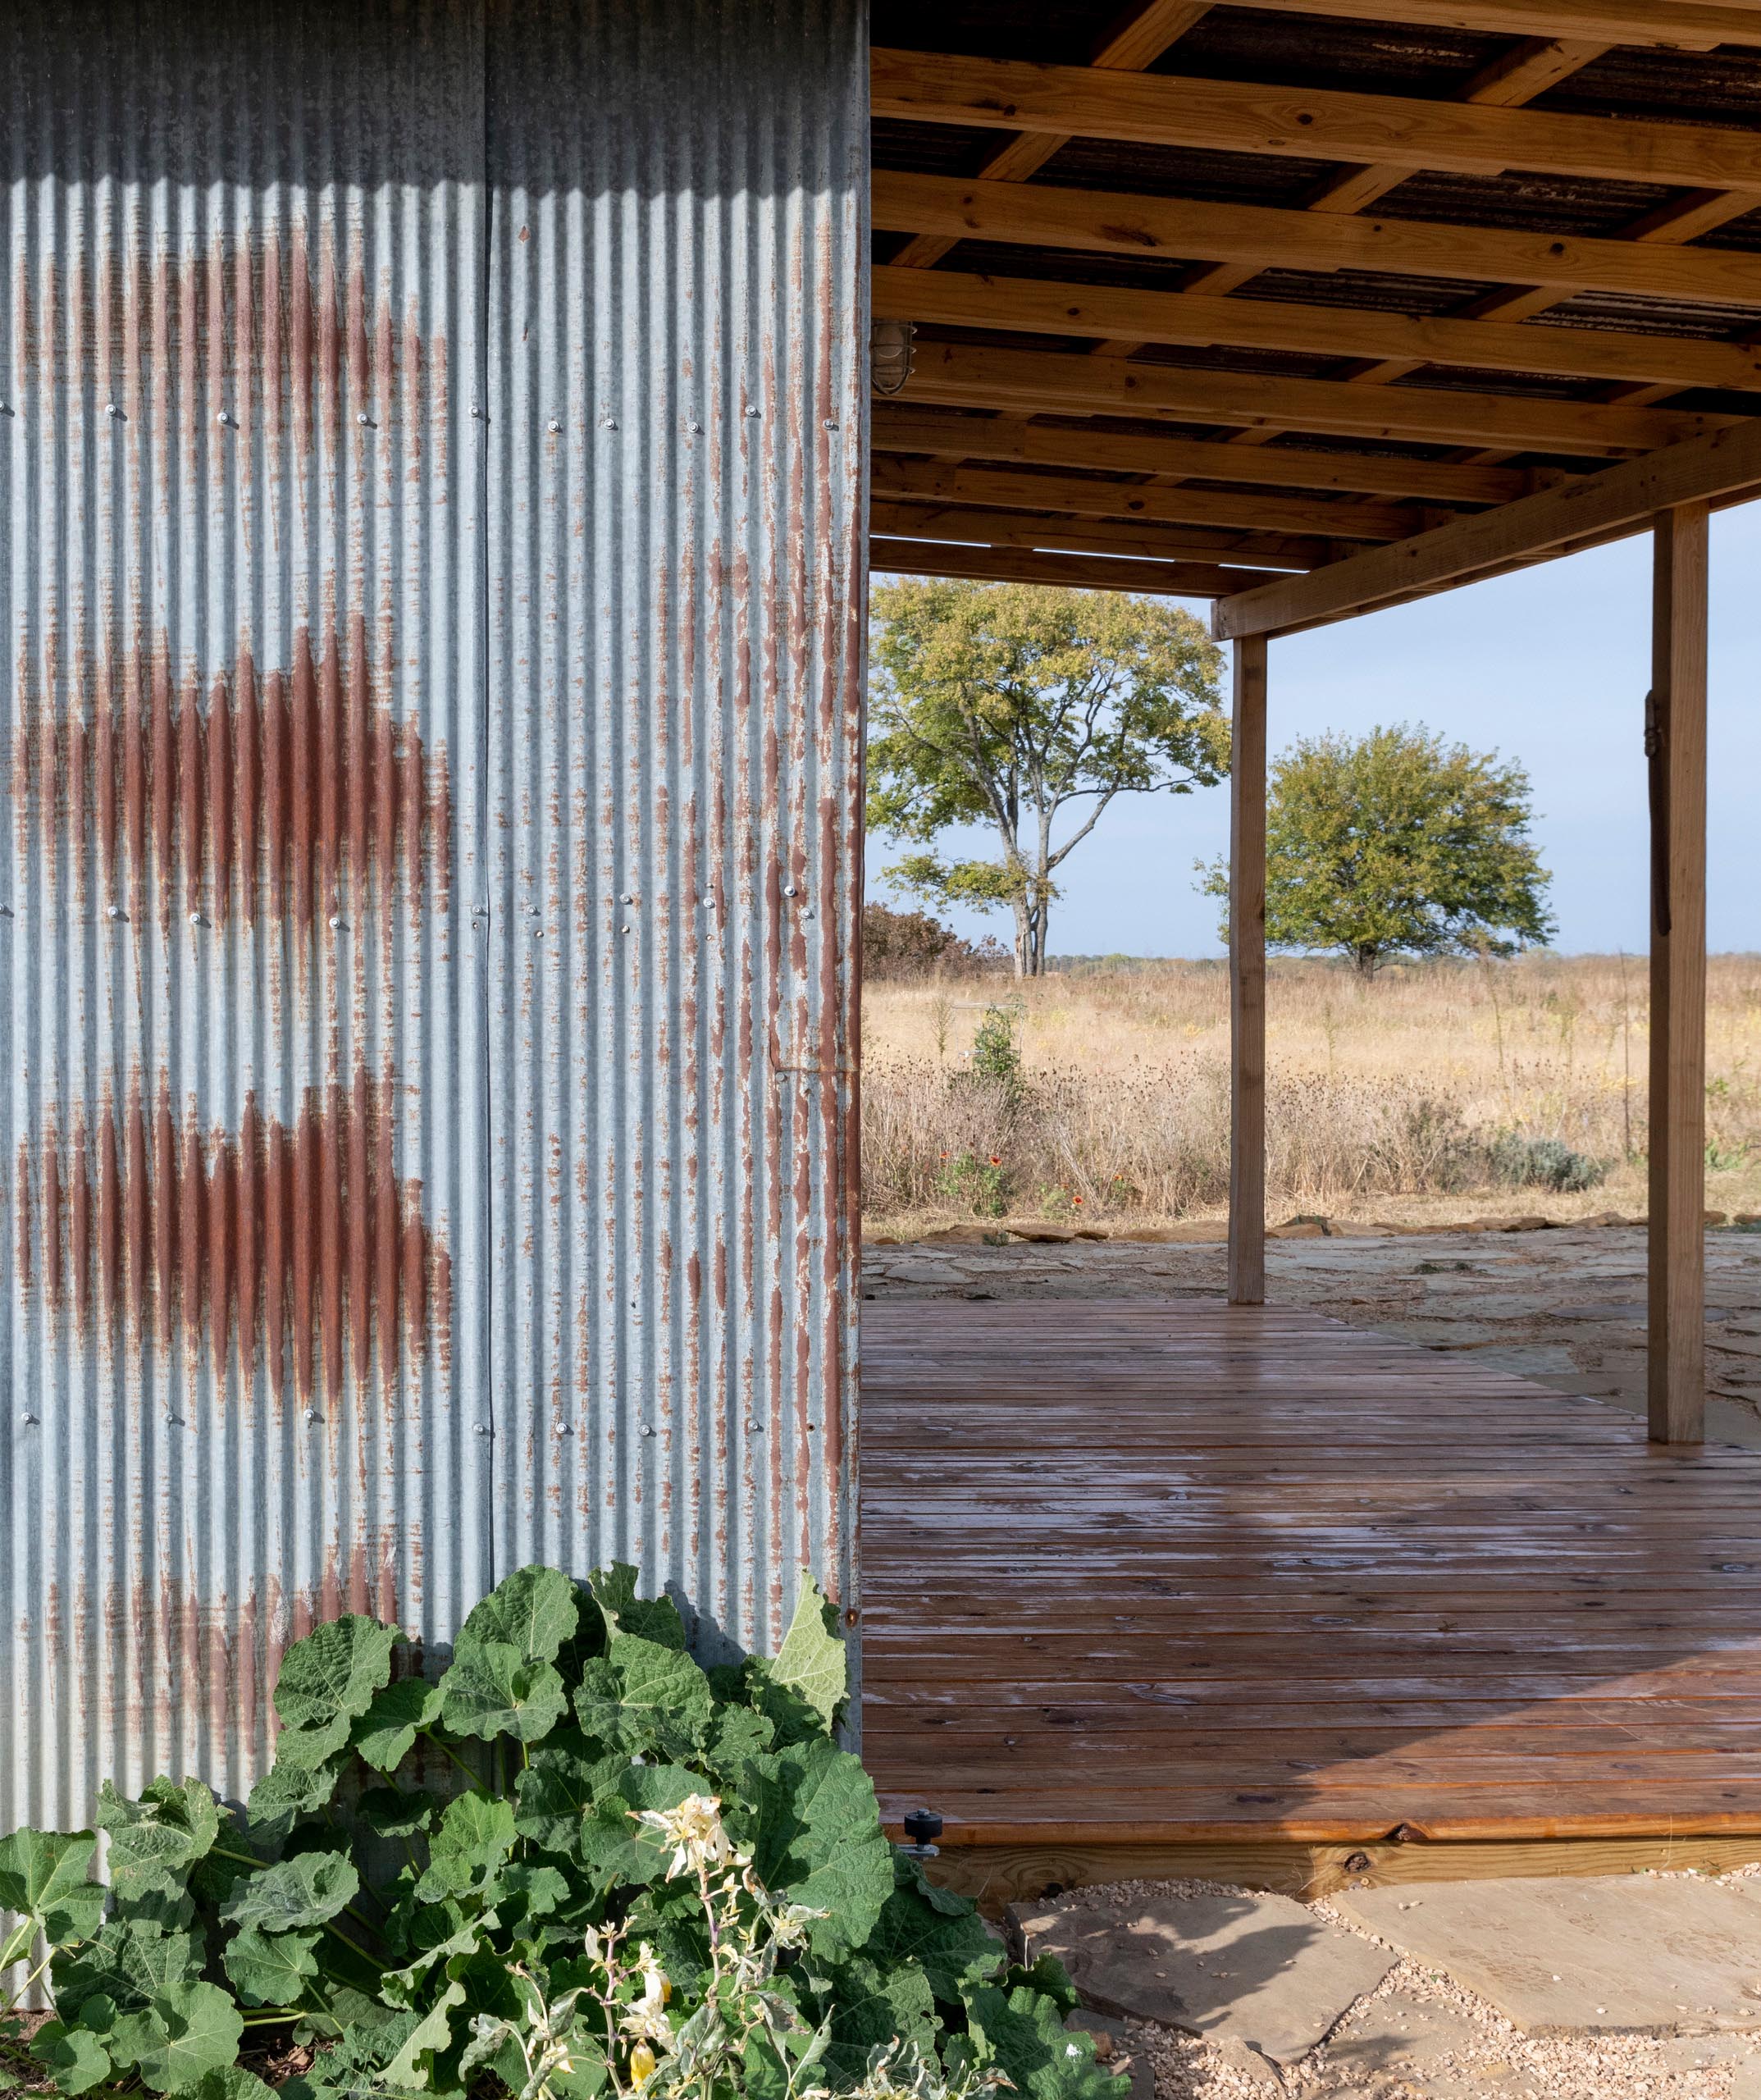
[[1185, 1573]]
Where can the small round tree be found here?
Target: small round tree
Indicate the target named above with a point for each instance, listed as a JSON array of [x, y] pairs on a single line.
[[1397, 843]]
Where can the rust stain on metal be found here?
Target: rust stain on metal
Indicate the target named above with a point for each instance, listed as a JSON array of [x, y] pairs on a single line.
[[303, 1246], [287, 792]]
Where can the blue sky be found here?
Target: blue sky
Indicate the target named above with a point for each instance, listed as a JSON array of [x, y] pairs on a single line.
[[1549, 667]]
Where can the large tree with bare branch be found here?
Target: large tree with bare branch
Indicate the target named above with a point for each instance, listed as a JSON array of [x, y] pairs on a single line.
[[1030, 711]]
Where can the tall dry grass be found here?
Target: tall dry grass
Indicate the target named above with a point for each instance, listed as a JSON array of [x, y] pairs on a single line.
[[1385, 1098]]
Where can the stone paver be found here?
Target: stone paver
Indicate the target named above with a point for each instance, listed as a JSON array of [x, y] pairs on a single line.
[[1636, 1955], [1399, 2033], [1244, 1967]]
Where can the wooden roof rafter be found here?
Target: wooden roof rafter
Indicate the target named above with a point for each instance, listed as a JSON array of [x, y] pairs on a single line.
[[1364, 372]]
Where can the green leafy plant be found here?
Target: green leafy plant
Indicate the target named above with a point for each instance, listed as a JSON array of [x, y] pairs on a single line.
[[576, 1863], [981, 1185], [995, 1051], [1522, 1162]]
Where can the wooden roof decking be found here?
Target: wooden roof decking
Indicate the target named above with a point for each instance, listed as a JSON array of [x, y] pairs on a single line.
[[1139, 1573], [1225, 267]]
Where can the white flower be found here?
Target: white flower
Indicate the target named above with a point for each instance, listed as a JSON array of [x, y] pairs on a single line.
[[694, 1830]]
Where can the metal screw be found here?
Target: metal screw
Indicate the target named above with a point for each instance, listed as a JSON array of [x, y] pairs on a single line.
[[831, 424], [790, 890], [607, 422], [224, 419], [176, 1420], [625, 928], [112, 409], [197, 919], [538, 933], [754, 1428], [647, 1429], [365, 420], [30, 1421], [755, 411], [312, 1414], [5, 407], [476, 411], [338, 925], [554, 426], [563, 1428], [698, 428], [482, 1429], [627, 898], [115, 912]]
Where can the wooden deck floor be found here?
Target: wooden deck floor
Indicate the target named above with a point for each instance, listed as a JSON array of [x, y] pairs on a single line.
[[1140, 1573]]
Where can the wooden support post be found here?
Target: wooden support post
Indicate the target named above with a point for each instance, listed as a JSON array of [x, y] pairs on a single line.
[[1675, 750], [1247, 978]]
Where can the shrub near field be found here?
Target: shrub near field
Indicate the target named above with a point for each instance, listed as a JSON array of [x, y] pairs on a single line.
[[1439, 1089]]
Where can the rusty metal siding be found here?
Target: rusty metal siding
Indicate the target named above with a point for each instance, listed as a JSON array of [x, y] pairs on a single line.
[[677, 436], [242, 593]]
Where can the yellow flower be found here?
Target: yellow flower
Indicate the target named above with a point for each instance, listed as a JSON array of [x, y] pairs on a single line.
[[642, 2063]]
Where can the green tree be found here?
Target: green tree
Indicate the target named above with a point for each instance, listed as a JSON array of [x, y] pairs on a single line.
[[1004, 705], [1397, 843]]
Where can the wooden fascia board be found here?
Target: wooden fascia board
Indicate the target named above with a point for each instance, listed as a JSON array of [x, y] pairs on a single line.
[[1721, 468]]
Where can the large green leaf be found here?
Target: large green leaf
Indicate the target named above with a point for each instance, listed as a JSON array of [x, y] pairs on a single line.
[[393, 1813], [1022, 2032], [817, 1841], [810, 1662], [303, 1890], [873, 2001], [613, 1844], [328, 1680], [646, 1698], [562, 1781], [476, 1835], [179, 2036], [42, 1877], [134, 1957], [284, 1794], [170, 1827], [75, 2057], [432, 2036], [649, 1619], [532, 1611], [386, 1733], [271, 1968], [490, 1689], [232, 2082], [954, 1951]]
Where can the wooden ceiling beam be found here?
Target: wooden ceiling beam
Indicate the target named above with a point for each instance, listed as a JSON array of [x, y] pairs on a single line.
[[1660, 24], [1250, 117], [1033, 306], [974, 376], [1097, 535], [1723, 467], [898, 427], [999, 487], [1168, 579], [1111, 223], [1135, 41]]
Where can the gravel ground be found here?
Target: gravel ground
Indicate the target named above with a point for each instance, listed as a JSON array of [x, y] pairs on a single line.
[[1492, 2059]]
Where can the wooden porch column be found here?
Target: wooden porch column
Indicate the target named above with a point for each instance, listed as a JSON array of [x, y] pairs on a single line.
[[1247, 978], [1674, 744]]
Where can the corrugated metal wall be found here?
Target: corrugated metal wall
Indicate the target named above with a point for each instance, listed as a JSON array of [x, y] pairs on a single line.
[[676, 405], [375, 624]]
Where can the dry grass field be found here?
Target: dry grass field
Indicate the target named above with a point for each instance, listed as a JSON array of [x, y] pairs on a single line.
[[1430, 1093]]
